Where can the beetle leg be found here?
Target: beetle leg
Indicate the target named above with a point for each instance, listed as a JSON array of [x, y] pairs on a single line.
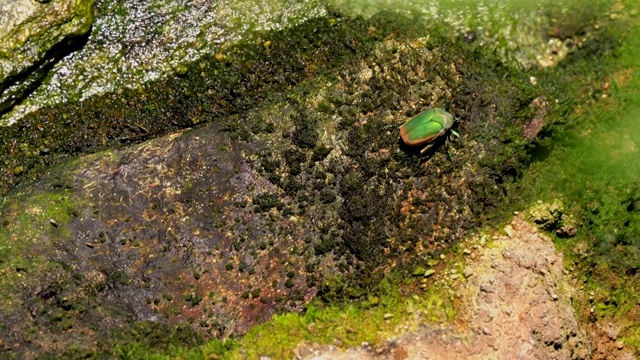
[[424, 149], [448, 152]]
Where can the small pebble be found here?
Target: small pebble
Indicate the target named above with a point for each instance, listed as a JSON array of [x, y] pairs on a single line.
[[53, 223], [509, 230], [429, 272], [433, 262], [454, 276], [486, 331], [508, 312]]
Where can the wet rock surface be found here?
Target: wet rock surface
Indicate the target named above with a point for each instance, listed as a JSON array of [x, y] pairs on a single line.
[[160, 233], [133, 42], [29, 30], [516, 305]]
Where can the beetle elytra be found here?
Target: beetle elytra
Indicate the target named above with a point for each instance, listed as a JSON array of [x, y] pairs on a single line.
[[426, 126]]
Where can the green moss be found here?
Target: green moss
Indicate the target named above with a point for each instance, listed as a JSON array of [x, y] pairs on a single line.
[[289, 284], [255, 293], [368, 231], [590, 161], [28, 219], [352, 324], [265, 202], [154, 340], [194, 299]]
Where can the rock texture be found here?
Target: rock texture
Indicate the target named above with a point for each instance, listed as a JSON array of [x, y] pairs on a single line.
[[164, 231], [30, 28], [296, 187], [516, 304]]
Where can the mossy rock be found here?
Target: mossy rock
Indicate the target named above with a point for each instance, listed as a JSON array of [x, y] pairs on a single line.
[[305, 130], [29, 33]]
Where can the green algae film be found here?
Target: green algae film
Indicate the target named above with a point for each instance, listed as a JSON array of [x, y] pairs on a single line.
[[532, 33], [592, 163]]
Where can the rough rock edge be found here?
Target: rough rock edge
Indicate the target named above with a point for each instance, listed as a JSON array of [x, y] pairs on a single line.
[[515, 304], [37, 28]]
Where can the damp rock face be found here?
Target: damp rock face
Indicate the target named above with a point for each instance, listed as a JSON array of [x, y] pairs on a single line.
[[173, 231], [291, 185], [29, 29]]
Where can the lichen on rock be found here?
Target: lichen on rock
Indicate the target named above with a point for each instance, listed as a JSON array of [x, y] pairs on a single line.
[[553, 217]]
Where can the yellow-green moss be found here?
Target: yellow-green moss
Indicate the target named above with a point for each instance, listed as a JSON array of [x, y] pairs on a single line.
[[372, 321], [26, 219]]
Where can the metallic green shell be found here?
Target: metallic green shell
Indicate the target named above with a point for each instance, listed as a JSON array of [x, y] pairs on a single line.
[[426, 126]]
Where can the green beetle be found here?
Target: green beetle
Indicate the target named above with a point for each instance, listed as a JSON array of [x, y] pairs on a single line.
[[426, 126]]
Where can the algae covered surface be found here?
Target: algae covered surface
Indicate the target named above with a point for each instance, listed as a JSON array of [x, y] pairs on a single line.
[[268, 178], [32, 36], [591, 165]]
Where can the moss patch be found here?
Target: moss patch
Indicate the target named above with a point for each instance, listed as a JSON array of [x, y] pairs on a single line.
[[591, 163], [371, 321], [27, 221]]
